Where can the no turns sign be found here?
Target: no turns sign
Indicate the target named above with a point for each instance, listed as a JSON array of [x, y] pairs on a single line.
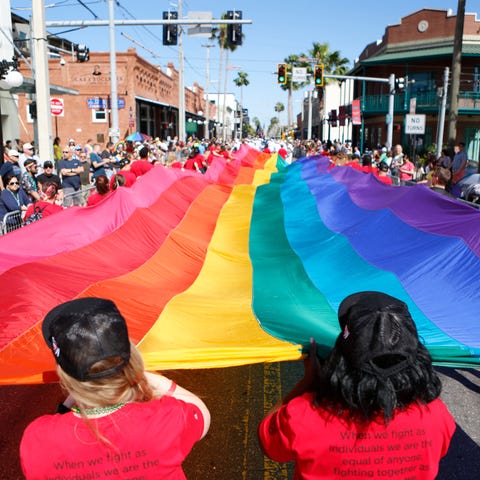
[[57, 107]]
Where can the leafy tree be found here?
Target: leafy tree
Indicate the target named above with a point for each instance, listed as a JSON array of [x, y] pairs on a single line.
[[279, 107], [241, 81], [333, 62]]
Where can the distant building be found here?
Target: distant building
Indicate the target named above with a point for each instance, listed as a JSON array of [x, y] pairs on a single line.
[[148, 96], [228, 117], [418, 50]]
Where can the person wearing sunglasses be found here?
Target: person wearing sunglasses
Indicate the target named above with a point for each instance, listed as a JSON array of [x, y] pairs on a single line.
[[10, 167], [49, 175], [29, 179], [13, 197], [70, 169]]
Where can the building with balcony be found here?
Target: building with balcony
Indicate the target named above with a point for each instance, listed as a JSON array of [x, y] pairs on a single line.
[[418, 50]]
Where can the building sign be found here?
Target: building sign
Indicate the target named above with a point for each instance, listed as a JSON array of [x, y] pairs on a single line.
[[415, 124], [356, 113], [103, 103]]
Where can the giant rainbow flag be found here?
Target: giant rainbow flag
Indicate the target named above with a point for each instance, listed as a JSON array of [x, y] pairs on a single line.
[[244, 264]]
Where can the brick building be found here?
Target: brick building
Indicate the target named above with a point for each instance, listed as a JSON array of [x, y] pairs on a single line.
[[147, 99], [418, 50]]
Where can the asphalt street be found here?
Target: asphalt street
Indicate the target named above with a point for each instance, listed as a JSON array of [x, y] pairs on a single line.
[[238, 397]]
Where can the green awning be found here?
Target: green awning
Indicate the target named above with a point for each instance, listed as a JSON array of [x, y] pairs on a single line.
[[413, 55]]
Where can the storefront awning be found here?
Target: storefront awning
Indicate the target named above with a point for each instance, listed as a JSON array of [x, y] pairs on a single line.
[[412, 55]]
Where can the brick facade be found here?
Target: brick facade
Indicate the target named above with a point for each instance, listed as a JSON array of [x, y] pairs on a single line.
[[137, 81]]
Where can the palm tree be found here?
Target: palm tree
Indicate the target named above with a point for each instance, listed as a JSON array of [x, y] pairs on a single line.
[[241, 81], [332, 61], [279, 107], [273, 127]]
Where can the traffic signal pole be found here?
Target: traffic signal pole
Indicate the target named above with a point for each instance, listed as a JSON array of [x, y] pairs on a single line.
[[114, 132], [44, 149], [391, 100]]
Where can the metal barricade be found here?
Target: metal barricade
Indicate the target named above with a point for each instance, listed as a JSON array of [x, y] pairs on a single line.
[[84, 193], [11, 221]]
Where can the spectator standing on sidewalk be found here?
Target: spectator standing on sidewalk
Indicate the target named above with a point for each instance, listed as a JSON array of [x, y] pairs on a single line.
[[10, 167], [371, 409], [29, 180], [97, 162], [49, 176], [70, 169]]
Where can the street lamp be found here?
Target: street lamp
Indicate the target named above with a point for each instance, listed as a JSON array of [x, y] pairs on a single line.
[[10, 77]]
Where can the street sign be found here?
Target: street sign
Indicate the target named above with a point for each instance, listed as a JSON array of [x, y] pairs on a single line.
[[415, 124], [299, 74], [200, 30], [57, 107], [114, 132], [98, 103]]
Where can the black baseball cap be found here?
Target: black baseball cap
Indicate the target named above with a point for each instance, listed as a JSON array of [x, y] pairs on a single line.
[[47, 164], [376, 326], [29, 161], [84, 331]]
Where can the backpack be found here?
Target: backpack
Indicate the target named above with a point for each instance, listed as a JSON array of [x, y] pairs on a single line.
[[36, 215]]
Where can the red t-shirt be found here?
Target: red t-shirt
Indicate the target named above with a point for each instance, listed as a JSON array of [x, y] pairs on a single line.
[[140, 167], [385, 179], [197, 159], [46, 208], [325, 446], [150, 441], [95, 198]]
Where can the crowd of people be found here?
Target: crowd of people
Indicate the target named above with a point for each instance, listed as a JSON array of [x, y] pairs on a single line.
[[376, 388], [391, 166], [85, 174]]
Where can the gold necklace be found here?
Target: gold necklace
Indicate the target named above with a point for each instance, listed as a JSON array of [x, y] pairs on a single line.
[[98, 410]]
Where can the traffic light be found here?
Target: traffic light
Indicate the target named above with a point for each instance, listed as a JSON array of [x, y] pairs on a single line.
[[318, 75], [170, 32], [282, 73], [83, 53], [32, 109], [234, 30]]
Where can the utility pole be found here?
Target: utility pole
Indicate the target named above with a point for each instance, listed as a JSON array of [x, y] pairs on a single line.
[[42, 82], [456, 68], [441, 120], [208, 46], [181, 86], [115, 127], [309, 131]]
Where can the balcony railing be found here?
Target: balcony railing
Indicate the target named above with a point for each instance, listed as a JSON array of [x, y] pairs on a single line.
[[428, 102]]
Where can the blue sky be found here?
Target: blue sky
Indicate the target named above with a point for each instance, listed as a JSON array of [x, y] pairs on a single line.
[[278, 29]]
